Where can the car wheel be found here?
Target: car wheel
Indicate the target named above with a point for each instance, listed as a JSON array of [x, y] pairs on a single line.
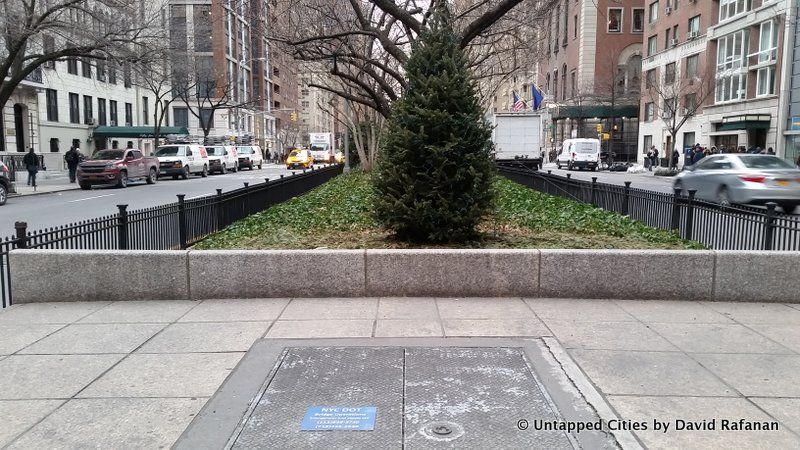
[[569, 165], [224, 170], [3, 194], [151, 179], [259, 167], [85, 187], [123, 180], [185, 174], [175, 177], [204, 173], [250, 167], [723, 196], [594, 169]]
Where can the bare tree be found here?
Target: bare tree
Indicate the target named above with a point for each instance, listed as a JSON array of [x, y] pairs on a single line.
[[365, 43], [36, 32], [289, 135], [678, 96]]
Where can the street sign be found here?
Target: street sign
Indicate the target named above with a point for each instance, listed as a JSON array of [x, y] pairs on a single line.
[[342, 418]]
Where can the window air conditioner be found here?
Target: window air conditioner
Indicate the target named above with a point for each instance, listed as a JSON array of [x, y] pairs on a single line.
[[91, 122], [691, 35], [113, 123], [673, 42], [668, 10]]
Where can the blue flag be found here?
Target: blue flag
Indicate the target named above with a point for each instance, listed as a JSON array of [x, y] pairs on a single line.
[[537, 97]]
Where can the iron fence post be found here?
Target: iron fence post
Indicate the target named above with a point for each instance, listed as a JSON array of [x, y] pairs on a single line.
[[626, 198], [769, 225], [22, 234], [246, 198], [122, 227], [182, 221], [594, 190], [218, 204], [676, 211], [690, 215]]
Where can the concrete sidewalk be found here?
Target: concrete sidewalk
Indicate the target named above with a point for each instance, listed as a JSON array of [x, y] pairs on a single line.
[[46, 182], [134, 374]]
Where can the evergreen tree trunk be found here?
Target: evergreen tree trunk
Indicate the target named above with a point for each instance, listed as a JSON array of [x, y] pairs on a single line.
[[434, 175]]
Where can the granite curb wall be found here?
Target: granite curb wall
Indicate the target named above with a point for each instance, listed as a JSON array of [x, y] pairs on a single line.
[[80, 275]]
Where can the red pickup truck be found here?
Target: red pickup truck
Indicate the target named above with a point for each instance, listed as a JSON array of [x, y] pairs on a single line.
[[115, 167]]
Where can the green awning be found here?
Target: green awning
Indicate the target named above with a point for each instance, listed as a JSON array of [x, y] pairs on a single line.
[[744, 125], [137, 132], [600, 111]]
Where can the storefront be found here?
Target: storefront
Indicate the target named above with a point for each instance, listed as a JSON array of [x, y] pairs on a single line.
[[617, 126]]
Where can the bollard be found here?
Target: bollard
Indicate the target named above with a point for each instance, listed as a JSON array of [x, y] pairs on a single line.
[[569, 176], [676, 210], [122, 227], [769, 225], [182, 229], [22, 234], [626, 198], [690, 215], [594, 190]]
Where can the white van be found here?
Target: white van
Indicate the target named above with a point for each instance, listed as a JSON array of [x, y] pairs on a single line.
[[579, 153], [249, 156], [222, 158], [181, 160]]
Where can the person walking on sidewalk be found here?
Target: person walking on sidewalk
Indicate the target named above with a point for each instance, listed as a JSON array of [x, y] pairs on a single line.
[[675, 158], [654, 159], [72, 158], [31, 162]]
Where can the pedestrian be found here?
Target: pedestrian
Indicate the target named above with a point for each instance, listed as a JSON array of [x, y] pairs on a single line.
[[714, 150], [675, 158], [770, 151], [698, 156], [72, 158], [31, 162], [648, 161], [707, 152]]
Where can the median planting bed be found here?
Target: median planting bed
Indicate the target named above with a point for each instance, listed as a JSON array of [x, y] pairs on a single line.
[[337, 215]]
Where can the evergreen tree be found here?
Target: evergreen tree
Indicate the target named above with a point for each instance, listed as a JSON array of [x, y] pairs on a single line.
[[434, 175]]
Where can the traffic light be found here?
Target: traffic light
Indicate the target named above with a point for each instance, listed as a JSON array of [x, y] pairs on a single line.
[[293, 116]]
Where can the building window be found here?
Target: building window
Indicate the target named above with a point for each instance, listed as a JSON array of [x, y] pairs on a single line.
[[88, 114], [128, 115], [667, 38], [207, 118], [731, 59], [112, 74], [614, 20], [52, 105], [72, 66], [181, 116], [112, 106], [648, 142], [637, 22], [653, 12], [669, 73], [649, 112], [54, 145], [202, 28], [669, 108], [49, 46], [573, 83], [145, 111], [575, 27], [126, 74], [650, 79], [689, 140], [652, 45], [101, 70], [689, 104], [691, 66], [87, 68], [101, 112], [768, 42], [693, 27], [765, 81], [74, 108], [731, 8]]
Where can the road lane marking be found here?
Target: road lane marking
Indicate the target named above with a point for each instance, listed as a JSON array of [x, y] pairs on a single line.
[[90, 198]]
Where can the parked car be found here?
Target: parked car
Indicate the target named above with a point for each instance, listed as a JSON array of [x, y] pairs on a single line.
[[222, 158], [116, 167], [743, 178], [6, 185], [579, 153], [301, 159], [182, 160], [250, 156]]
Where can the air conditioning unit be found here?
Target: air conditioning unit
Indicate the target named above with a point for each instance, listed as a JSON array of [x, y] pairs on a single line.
[[691, 35], [668, 10], [113, 123], [673, 42], [91, 122]]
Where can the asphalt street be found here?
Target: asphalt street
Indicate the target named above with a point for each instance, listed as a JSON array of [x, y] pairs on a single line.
[[50, 210], [638, 180]]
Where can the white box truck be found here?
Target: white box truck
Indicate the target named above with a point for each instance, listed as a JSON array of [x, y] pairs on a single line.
[[517, 139], [321, 147]]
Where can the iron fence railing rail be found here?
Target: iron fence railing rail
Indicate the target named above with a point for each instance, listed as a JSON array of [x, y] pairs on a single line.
[[173, 226], [737, 227]]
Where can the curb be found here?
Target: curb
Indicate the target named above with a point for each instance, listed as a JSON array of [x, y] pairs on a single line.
[[32, 194]]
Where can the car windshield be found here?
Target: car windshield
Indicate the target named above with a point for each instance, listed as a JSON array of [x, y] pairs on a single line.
[[245, 150], [172, 150], [585, 147], [765, 162], [298, 153], [319, 147], [109, 154], [215, 151]]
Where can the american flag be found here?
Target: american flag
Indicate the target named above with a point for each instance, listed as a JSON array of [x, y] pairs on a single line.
[[519, 104]]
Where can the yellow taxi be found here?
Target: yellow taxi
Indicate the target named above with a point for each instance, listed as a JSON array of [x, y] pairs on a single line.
[[299, 159], [339, 157]]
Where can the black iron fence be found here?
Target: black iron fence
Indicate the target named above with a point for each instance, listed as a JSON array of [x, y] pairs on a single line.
[[715, 226], [173, 226]]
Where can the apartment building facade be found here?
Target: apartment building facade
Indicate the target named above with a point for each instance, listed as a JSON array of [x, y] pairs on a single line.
[[717, 66], [319, 108], [591, 72]]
